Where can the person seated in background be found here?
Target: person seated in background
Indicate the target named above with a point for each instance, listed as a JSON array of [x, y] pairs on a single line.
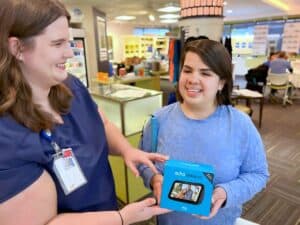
[[136, 60], [138, 66], [119, 66], [272, 56], [280, 64], [129, 64], [257, 77]]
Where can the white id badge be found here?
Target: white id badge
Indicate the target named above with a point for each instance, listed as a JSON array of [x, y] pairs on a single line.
[[68, 171]]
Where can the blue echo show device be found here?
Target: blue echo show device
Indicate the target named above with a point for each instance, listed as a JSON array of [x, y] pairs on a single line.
[[187, 187]]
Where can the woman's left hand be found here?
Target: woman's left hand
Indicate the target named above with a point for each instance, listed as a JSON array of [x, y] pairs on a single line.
[[134, 156], [218, 198]]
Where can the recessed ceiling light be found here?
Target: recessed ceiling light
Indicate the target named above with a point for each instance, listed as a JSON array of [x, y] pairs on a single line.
[[125, 17], [142, 12], [229, 11], [151, 17], [170, 8], [169, 16], [169, 21], [225, 3], [278, 4]]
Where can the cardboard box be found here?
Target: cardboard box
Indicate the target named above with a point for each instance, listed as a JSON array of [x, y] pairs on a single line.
[[187, 187]]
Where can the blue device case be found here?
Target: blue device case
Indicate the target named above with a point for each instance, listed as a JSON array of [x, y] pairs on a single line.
[[187, 187]]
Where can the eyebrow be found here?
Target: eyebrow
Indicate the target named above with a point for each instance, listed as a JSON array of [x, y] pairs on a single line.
[[58, 40], [201, 70]]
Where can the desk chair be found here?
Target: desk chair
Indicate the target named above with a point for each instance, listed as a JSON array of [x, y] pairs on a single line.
[[295, 79], [280, 82], [295, 82]]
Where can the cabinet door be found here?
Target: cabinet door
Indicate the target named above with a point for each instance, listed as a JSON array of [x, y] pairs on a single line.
[[136, 188], [128, 187], [119, 172]]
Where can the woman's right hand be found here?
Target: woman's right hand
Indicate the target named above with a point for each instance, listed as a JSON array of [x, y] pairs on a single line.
[[156, 183], [139, 211]]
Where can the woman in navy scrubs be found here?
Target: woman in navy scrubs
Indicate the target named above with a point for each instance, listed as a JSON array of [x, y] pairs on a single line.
[[54, 143]]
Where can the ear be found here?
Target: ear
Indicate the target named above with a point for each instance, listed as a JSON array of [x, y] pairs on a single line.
[[14, 45], [221, 84]]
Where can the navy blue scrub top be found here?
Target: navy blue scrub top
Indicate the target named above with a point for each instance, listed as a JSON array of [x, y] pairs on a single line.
[[24, 155]]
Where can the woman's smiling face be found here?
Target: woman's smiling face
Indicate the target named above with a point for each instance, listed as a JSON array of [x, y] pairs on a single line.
[[198, 84], [44, 63]]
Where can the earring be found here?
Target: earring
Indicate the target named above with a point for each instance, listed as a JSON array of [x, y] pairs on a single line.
[[19, 57]]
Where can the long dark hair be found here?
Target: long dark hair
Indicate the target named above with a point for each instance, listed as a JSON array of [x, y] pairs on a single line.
[[217, 58], [25, 19]]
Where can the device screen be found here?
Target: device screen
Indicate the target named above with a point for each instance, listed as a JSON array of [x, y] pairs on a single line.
[[186, 192]]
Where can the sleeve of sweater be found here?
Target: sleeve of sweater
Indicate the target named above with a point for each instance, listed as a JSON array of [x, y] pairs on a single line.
[[145, 145], [253, 171]]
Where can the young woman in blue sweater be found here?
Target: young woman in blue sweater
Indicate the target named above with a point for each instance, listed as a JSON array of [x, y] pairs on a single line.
[[203, 127]]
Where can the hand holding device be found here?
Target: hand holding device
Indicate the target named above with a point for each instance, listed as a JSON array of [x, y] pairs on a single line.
[[218, 199], [156, 183]]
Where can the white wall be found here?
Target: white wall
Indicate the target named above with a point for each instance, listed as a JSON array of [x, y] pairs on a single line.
[[210, 27], [117, 31]]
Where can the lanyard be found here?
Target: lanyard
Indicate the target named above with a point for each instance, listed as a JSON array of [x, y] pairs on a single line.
[[65, 166], [154, 133], [47, 135]]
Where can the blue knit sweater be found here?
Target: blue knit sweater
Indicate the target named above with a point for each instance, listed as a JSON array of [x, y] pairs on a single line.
[[227, 140]]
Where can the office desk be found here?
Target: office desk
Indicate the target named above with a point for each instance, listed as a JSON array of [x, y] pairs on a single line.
[[249, 95], [294, 78]]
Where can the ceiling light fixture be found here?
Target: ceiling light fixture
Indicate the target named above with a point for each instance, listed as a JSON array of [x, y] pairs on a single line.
[[169, 16], [278, 4], [125, 17], [151, 17], [169, 21], [170, 8]]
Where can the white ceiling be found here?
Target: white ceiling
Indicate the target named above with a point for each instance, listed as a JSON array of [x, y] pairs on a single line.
[[241, 9]]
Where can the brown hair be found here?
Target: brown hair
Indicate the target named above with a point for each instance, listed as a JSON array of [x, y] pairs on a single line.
[[217, 58], [25, 19], [282, 54]]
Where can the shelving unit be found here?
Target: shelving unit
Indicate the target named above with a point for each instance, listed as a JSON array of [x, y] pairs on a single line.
[[144, 46], [77, 64], [162, 43]]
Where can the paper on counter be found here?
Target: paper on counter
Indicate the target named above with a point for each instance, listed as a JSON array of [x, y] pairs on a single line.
[[129, 94], [247, 93]]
